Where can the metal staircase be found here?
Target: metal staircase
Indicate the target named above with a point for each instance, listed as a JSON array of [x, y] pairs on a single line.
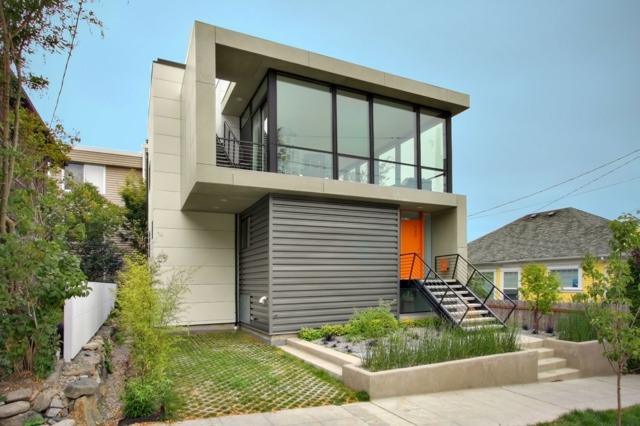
[[458, 291]]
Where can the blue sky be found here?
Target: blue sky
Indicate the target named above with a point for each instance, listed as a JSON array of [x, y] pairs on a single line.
[[554, 86]]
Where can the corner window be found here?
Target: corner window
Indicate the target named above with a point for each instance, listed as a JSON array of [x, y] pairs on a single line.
[[569, 277], [85, 173]]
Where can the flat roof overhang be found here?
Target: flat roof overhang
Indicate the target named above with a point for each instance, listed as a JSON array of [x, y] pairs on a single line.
[[245, 60], [234, 190]]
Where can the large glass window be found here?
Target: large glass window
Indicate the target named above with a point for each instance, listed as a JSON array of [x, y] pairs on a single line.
[[353, 169], [394, 132], [353, 124], [325, 131], [304, 114]]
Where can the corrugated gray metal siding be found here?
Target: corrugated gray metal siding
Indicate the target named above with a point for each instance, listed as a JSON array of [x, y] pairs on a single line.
[[327, 258], [254, 263]]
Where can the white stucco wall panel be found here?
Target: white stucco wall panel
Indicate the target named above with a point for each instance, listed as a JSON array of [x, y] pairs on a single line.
[[194, 220], [181, 238]]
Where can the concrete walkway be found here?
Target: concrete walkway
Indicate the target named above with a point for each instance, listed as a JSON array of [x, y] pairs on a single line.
[[507, 405]]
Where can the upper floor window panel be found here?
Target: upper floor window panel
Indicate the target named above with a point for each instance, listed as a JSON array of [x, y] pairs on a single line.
[[308, 128], [85, 173]]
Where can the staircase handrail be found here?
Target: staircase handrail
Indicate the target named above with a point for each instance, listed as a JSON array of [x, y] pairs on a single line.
[[423, 287], [462, 275]]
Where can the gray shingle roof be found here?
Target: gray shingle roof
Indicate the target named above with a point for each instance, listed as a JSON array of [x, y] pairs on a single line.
[[556, 234]]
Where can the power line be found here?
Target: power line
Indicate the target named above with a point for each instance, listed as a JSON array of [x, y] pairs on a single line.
[[66, 65], [589, 183], [570, 196], [554, 186]]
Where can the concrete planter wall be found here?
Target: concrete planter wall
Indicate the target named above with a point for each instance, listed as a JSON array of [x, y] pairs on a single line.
[[584, 356], [487, 371]]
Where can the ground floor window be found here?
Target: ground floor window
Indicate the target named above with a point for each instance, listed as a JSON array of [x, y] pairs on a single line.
[[510, 283], [569, 277]]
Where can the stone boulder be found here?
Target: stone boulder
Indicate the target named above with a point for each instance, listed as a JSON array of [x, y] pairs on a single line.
[[86, 412], [19, 395], [18, 420], [81, 387], [14, 408]]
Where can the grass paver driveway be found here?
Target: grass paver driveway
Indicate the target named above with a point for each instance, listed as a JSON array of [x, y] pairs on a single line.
[[222, 373]]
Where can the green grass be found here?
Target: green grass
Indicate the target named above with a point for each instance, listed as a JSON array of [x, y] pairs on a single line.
[[575, 327], [225, 373], [409, 348], [630, 416]]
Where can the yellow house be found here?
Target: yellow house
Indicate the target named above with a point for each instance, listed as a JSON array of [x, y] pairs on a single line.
[[558, 239]]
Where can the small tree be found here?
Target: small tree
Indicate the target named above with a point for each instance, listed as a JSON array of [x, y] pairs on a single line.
[[610, 310], [134, 229], [150, 302], [541, 289]]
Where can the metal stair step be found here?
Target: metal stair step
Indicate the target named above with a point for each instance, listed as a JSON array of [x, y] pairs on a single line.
[[483, 327], [477, 320]]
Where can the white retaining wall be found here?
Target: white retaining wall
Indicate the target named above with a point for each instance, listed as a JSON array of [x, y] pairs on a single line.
[[83, 316]]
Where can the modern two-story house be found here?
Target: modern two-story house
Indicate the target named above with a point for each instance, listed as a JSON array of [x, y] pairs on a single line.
[[293, 181]]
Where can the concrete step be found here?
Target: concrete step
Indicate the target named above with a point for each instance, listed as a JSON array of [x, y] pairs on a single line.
[[332, 369], [328, 354], [552, 363], [558, 375], [529, 342], [545, 353]]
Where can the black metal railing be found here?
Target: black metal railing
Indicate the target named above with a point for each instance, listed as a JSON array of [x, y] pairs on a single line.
[[414, 268], [456, 267], [238, 154]]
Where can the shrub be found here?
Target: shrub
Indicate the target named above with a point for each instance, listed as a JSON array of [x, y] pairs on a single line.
[[407, 323], [429, 322], [575, 327], [330, 331], [141, 398], [373, 323], [34, 421], [401, 350], [148, 306], [309, 334]]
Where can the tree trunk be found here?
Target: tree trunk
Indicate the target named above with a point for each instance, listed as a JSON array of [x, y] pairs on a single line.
[[618, 380]]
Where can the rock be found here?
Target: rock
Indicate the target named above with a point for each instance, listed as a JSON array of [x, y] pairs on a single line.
[[14, 408], [53, 412], [18, 420], [19, 395], [56, 403], [85, 411], [79, 370], [67, 422], [80, 387], [43, 400], [91, 346]]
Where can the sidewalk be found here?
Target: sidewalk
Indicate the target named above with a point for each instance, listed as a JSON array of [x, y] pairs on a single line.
[[507, 405]]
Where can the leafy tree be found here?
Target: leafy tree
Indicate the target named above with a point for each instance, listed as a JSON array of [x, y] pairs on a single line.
[[93, 221], [541, 289], [610, 310], [134, 229], [28, 27], [37, 270]]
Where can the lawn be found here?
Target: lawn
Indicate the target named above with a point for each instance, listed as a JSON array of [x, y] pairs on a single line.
[[630, 416], [224, 373]]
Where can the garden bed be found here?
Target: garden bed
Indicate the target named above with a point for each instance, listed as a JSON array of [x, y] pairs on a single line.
[[487, 371]]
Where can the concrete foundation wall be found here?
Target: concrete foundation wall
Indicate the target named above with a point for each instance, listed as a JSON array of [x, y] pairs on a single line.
[[488, 371], [584, 356]]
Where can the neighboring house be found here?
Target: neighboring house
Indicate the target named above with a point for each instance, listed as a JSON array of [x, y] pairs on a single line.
[[558, 239], [293, 181], [107, 169]]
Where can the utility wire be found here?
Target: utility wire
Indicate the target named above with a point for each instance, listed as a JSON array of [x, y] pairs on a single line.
[[554, 186], [588, 183], [66, 65]]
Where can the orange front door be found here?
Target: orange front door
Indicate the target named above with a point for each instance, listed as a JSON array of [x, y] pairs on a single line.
[[411, 241]]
